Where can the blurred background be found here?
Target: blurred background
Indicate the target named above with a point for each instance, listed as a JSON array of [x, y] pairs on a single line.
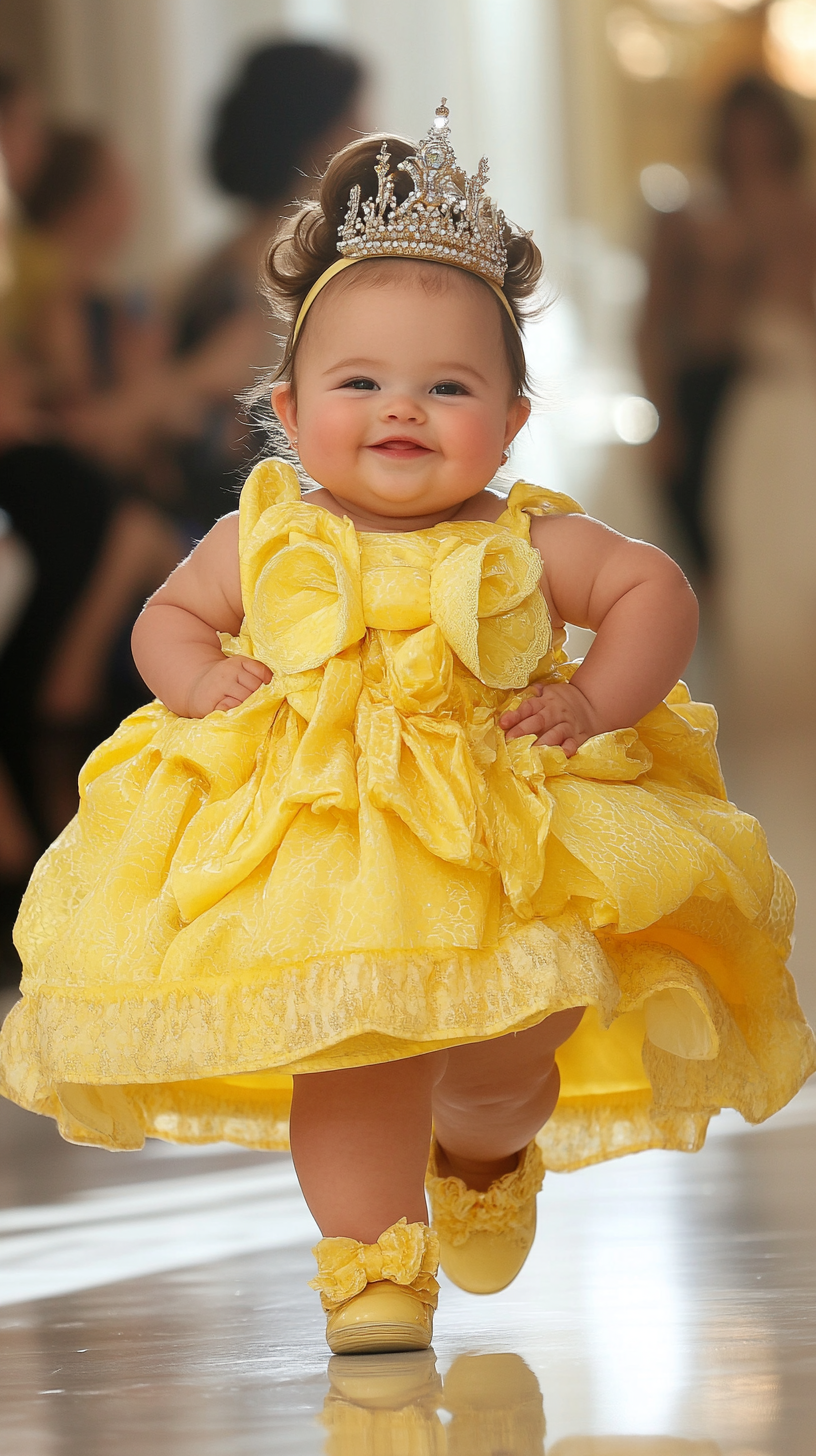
[[663, 153]]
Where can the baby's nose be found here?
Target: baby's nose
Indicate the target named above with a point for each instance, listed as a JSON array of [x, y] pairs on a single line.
[[405, 408]]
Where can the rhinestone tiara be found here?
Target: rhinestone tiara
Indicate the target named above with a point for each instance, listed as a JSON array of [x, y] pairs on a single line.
[[446, 216]]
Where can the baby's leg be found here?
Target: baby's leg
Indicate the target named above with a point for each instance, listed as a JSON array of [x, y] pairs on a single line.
[[494, 1096], [360, 1141], [360, 1137]]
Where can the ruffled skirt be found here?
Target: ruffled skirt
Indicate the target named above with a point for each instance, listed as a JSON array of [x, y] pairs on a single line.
[[272, 892]]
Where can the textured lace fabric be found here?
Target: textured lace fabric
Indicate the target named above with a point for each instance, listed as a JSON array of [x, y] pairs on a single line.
[[355, 865], [459, 1211]]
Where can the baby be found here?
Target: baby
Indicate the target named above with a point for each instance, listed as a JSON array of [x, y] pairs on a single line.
[[379, 843]]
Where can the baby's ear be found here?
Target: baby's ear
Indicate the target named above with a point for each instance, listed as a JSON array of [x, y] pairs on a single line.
[[517, 417], [283, 403]]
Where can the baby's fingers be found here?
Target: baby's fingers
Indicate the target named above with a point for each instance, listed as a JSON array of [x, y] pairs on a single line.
[[525, 709], [255, 669], [247, 681], [246, 684], [241, 688], [534, 723], [561, 736]]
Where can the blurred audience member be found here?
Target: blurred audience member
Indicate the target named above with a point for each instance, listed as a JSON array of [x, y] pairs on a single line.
[[35, 268], [290, 107], [18, 840], [22, 128], [104, 400], [763, 468], [728, 347], [94, 555], [705, 269], [89, 336], [19, 418]]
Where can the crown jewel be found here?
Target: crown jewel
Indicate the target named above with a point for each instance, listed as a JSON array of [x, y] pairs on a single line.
[[446, 216]]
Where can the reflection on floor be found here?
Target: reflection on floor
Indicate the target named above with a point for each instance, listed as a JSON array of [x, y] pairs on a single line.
[[157, 1302]]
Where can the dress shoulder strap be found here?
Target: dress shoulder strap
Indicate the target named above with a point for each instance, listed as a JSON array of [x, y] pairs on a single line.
[[272, 482], [527, 500]]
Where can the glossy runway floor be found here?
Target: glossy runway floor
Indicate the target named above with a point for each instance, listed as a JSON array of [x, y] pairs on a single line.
[[157, 1303]]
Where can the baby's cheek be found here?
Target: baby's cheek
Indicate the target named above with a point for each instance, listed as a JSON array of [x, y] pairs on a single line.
[[332, 430], [471, 438]]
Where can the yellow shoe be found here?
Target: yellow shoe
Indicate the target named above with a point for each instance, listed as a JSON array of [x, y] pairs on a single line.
[[383, 1318], [484, 1238], [384, 1405], [496, 1405], [390, 1385], [380, 1297]]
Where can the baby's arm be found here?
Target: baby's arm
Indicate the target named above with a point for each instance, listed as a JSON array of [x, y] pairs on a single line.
[[643, 612], [175, 640]]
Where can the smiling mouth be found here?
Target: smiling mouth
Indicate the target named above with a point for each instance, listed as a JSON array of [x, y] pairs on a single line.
[[400, 449]]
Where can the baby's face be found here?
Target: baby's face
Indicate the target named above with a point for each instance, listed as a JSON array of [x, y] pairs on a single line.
[[403, 399]]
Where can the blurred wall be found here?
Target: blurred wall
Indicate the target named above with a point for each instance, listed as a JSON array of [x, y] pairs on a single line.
[[149, 70], [22, 32]]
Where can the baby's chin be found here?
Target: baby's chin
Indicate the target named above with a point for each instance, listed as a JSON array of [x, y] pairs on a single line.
[[409, 492], [410, 488]]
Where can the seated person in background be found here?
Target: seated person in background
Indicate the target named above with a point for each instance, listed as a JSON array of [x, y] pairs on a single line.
[[94, 556], [291, 105], [89, 337], [33, 271]]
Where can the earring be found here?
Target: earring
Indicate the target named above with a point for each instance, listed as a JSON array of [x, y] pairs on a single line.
[[293, 443], [505, 457]]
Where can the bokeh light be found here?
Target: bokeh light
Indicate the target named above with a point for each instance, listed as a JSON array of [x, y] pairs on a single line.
[[664, 187], [687, 12], [701, 12], [641, 48], [790, 44], [635, 419]]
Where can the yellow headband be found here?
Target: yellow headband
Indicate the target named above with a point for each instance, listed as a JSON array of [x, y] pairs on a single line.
[[349, 262]]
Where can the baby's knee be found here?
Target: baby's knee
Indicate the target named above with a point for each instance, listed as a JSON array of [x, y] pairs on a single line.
[[489, 1099], [557, 1028], [372, 1084]]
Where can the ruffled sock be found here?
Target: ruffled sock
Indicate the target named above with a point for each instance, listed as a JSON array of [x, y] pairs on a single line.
[[459, 1211]]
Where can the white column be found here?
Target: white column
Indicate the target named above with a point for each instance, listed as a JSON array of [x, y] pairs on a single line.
[[516, 106], [498, 63]]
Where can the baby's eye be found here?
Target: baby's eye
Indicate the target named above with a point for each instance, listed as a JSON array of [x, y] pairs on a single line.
[[359, 384], [448, 387]]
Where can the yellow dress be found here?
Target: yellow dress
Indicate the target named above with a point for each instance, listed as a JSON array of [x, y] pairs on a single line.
[[355, 865]]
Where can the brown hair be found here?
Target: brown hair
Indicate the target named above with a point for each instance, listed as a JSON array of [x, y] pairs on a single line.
[[288, 94], [12, 84], [306, 245], [758, 95], [72, 168]]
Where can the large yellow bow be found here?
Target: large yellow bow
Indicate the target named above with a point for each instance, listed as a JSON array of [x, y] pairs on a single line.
[[407, 1254], [307, 598]]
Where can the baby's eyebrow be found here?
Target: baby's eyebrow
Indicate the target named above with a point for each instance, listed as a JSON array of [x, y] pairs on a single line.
[[354, 364], [441, 371], [458, 367]]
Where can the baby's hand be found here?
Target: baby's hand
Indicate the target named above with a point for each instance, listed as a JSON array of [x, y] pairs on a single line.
[[225, 684], [557, 713]]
